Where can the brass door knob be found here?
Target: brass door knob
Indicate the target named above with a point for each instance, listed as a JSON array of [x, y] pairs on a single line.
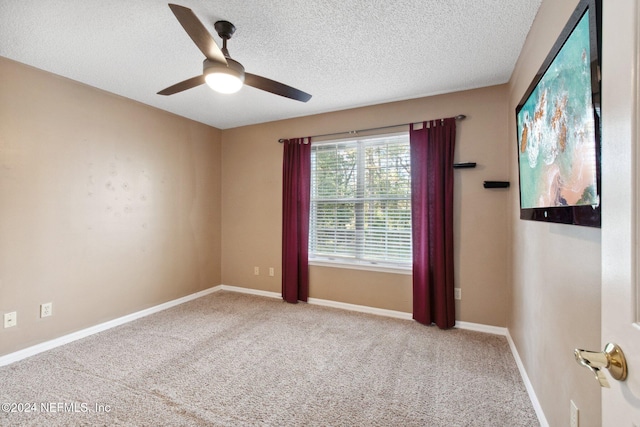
[[610, 358]]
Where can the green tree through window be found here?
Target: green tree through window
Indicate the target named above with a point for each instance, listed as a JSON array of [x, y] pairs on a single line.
[[361, 201]]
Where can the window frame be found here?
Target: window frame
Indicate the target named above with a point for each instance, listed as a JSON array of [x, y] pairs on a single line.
[[353, 263]]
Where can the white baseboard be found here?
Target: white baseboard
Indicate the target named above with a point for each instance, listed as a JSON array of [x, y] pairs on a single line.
[[367, 309], [527, 383], [325, 303], [48, 345], [523, 373], [479, 327], [65, 339], [251, 291], [361, 308]]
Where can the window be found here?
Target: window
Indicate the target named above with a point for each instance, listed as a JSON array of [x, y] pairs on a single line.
[[361, 202]]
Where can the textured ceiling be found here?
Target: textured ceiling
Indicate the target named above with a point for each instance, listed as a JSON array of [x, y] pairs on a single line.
[[346, 53]]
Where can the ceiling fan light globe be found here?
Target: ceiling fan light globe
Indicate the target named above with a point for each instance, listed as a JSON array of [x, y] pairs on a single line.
[[223, 82], [224, 78]]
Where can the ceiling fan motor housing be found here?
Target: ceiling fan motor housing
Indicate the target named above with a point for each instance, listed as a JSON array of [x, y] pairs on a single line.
[[234, 67]]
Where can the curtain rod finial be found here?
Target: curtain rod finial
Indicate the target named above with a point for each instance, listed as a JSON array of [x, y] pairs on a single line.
[[461, 117]]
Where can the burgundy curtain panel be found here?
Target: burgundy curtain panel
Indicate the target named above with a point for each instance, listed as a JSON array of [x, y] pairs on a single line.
[[296, 188], [432, 149]]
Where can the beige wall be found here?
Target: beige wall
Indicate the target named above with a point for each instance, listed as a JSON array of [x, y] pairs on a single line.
[[110, 206], [107, 206], [251, 204], [555, 270]]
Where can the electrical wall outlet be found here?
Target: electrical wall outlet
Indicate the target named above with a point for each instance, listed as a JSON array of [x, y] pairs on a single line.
[[46, 309], [256, 271], [10, 319], [271, 271], [574, 420], [457, 293]]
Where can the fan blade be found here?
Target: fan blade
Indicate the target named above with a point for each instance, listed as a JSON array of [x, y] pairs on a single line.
[[184, 85], [274, 87], [198, 33]]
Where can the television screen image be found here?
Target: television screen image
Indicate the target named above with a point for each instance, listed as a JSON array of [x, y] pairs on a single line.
[[558, 132]]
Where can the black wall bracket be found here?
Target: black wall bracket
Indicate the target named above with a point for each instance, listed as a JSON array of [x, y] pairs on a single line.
[[464, 165], [496, 184]]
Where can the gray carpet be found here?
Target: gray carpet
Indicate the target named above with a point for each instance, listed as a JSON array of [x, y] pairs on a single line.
[[231, 359]]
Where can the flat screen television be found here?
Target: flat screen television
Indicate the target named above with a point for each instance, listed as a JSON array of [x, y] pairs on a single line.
[[558, 125]]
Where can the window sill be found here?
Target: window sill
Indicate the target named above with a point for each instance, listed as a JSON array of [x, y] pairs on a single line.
[[382, 268]]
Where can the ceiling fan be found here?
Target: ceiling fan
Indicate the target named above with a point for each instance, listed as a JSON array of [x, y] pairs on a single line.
[[220, 72]]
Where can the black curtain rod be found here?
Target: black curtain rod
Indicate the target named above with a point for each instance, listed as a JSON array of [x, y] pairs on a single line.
[[355, 132]]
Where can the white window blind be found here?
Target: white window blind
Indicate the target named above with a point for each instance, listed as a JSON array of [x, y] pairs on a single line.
[[361, 201]]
